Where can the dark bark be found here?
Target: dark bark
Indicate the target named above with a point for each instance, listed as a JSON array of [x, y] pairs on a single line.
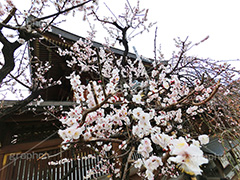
[[7, 50], [8, 54], [12, 12]]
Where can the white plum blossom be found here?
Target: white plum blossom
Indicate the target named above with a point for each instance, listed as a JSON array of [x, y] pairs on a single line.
[[162, 140], [178, 116], [145, 147], [208, 90], [177, 145], [87, 135], [152, 113], [65, 143], [149, 175], [152, 163], [62, 134], [75, 81], [138, 163], [2, 12], [189, 159], [137, 131], [192, 110], [195, 142], [166, 84], [144, 117], [123, 145], [199, 88], [226, 92], [204, 139], [137, 98], [107, 147], [137, 112], [78, 132]]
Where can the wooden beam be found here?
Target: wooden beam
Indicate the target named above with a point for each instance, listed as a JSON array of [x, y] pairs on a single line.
[[33, 146]]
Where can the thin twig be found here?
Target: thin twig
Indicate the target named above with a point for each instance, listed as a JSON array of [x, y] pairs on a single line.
[[61, 12], [128, 160], [101, 76], [210, 97], [113, 13], [155, 45], [130, 6], [86, 112], [94, 93], [54, 18], [180, 57], [20, 82]]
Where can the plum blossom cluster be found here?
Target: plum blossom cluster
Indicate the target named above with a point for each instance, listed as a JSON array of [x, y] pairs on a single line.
[[187, 155], [40, 74], [148, 114]]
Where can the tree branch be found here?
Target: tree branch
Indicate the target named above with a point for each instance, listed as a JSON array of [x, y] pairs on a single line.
[[61, 12], [8, 54], [210, 97], [180, 56], [128, 160], [86, 112], [12, 12], [123, 40], [54, 17]]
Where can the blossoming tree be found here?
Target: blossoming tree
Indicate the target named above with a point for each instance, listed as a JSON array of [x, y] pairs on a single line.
[[157, 111], [164, 111]]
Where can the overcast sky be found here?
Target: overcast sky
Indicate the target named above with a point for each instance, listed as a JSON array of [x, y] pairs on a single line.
[[197, 19], [218, 19]]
